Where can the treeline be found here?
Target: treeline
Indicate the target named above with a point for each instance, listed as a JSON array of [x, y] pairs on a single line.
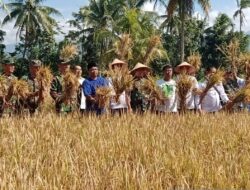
[[108, 29]]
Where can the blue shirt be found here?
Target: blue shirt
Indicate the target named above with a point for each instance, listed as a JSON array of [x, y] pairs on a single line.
[[90, 85]]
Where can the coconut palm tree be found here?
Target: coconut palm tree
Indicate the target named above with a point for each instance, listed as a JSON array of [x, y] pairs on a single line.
[[185, 9], [30, 17], [242, 4]]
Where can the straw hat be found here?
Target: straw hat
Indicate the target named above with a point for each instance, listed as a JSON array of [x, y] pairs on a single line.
[[117, 61], [140, 66], [191, 68]]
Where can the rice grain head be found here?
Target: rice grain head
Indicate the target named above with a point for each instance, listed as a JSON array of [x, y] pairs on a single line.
[[195, 60]]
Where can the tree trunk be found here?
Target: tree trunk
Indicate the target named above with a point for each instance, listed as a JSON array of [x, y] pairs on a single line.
[[182, 33], [241, 20]]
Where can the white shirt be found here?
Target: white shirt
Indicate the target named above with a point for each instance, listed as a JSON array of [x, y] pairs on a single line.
[[169, 90], [83, 98], [192, 100], [211, 101], [121, 103]]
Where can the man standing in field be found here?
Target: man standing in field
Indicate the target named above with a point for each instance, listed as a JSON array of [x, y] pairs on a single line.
[[168, 87], [7, 103], [36, 96], [80, 95], [89, 88], [211, 101], [56, 89]]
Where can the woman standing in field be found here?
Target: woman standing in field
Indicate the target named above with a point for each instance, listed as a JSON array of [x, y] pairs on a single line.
[[120, 104], [190, 99], [139, 102]]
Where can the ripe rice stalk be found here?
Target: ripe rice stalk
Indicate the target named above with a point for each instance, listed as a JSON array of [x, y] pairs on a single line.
[[121, 80], [195, 60], [123, 47], [70, 86], [184, 85], [243, 95], [103, 94], [44, 77], [244, 60], [214, 79], [3, 86], [231, 52], [68, 52], [149, 87], [154, 50], [19, 88]]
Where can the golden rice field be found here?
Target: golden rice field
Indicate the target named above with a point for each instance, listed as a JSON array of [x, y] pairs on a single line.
[[131, 152]]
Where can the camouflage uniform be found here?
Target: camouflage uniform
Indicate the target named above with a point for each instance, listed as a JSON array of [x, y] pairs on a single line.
[[11, 108], [32, 102], [139, 101], [56, 92]]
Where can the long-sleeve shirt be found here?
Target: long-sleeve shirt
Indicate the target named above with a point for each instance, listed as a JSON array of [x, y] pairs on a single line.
[[192, 99], [211, 101]]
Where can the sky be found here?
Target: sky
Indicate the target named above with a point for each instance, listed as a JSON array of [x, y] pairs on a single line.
[[66, 7]]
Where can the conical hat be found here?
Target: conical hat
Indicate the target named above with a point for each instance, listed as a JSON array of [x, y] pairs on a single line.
[[140, 66], [117, 61], [191, 68]]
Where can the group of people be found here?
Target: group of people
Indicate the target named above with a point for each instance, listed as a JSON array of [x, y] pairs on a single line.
[[86, 99]]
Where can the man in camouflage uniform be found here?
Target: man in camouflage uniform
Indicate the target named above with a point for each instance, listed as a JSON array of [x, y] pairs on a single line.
[[56, 90], [36, 89], [7, 103]]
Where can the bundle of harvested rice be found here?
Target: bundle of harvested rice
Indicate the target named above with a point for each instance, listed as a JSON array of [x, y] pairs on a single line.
[[154, 50], [44, 77], [68, 52], [243, 95], [184, 85], [19, 88], [103, 96], [149, 88], [231, 52], [121, 80], [214, 79], [70, 86], [3, 86], [123, 47], [245, 63], [195, 60]]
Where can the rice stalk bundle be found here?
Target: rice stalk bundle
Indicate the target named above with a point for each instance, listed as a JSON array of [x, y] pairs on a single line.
[[3, 86], [245, 63], [68, 52], [184, 85], [231, 52], [122, 81], [123, 47], [70, 86], [44, 77], [214, 79], [103, 94], [149, 88], [195, 60], [153, 48], [19, 88], [243, 95]]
